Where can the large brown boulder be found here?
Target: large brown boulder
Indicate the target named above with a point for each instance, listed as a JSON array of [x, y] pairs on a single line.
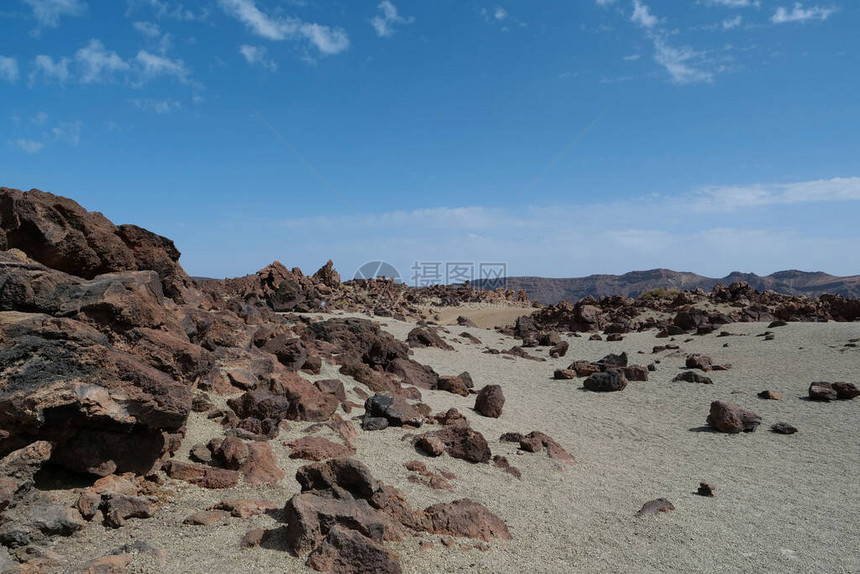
[[309, 518], [62, 235], [464, 518], [729, 418], [105, 410], [462, 442], [490, 401]]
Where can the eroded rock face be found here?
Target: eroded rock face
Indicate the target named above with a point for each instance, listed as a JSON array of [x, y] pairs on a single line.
[[106, 410], [346, 551], [730, 418]]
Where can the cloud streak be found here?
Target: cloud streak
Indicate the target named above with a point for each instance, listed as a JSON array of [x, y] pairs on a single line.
[[800, 14], [388, 18], [327, 40]]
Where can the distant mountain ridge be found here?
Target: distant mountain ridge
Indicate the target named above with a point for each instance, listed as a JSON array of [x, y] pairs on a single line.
[[552, 290]]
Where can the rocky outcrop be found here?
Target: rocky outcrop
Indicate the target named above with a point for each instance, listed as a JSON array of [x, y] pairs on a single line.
[[62, 235]]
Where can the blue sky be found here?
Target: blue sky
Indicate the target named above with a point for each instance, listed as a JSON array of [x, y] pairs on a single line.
[[562, 138]]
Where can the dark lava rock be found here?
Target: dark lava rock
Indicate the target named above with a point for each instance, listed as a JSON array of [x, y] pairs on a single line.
[[609, 381], [783, 428], [490, 401], [693, 377]]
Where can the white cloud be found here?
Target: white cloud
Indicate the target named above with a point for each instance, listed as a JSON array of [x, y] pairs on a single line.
[[632, 57], [732, 22], [152, 65], [325, 39], [48, 12], [732, 198], [169, 10], [148, 29], [800, 14], [29, 146], [604, 3], [735, 3], [97, 64], [49, 69], [68, 132], [8, 69], [500, 13], [642, 15], [679, 62], [257, 56], [40, 119], [158, 106], [384, 23]]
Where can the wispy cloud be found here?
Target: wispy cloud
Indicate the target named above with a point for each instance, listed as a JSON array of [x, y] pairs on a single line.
[[800, 14], [158, 106], [648, 232], [500, 13], [28, 146], [604, 3], [680, 63], [388, 18], [732, 23], [631, 57], [735, 3], [8, 69], [49, 12], [257, 56], [52, 71], [642, 15], [327, 40], [732, 198], [169, 10], [152, 66], [98, 64]]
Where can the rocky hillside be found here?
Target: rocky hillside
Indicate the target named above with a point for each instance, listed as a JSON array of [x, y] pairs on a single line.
[[552, 290]]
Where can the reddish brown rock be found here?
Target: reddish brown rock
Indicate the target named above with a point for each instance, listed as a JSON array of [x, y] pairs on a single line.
[[635, 373], [254, 538], [770, 395], [536, 441], [654, 507], [461, 442], [232, 453], [502, 462], [208, 518], [454, 385], [423, 337], [845, 391], [261, 467], [202, 476], [346, 551], [822, 391], [559, 350], [114, 564], [693, 377], [464, 518], [395, 410], [244, 508], [584, 368], [430, 445], [729, 418], [332, 387], [318, 448], [309, 518], [490, 401], [564, 374]]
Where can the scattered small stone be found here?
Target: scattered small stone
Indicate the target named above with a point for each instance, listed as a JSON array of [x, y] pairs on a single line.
[[254, 538], [654, 507], [783, 428], [770, 395], [705, 489], [448, 541], [208, 518], [425, 545], [693, 377]]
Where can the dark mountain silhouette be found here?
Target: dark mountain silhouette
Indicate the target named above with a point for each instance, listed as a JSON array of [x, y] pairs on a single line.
[[552, 290]]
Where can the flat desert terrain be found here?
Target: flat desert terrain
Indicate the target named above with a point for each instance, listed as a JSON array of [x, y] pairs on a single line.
[[783, 503]]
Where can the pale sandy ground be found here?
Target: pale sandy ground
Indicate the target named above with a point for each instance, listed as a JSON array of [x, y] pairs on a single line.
[[783, 503], [484, 315]]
